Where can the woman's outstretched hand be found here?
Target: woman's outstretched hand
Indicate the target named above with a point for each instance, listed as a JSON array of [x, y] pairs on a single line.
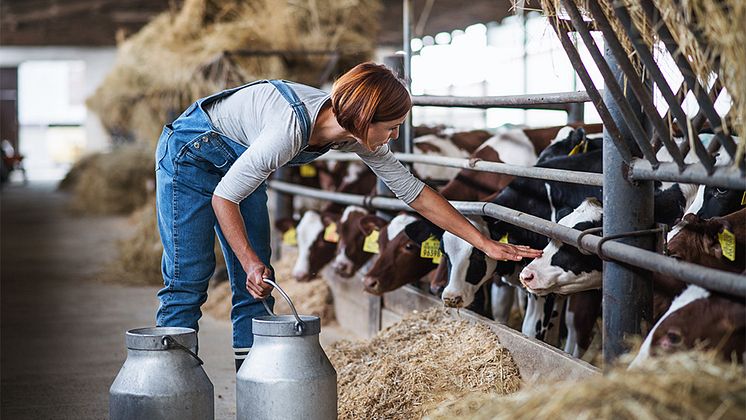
[[500, 251], [255, 272]]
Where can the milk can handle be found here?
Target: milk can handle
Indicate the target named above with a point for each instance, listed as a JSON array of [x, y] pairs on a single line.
[[170, 343], [299, 324]]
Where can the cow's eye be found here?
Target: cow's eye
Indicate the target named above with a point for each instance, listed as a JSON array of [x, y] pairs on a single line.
[[674, 337], [409, 246]]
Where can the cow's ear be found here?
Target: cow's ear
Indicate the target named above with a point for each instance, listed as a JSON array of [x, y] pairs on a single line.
[[691, 218], [328, 218], [286, 223], [369, 223]]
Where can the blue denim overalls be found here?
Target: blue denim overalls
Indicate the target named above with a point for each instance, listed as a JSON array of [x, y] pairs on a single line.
[[191, 158]]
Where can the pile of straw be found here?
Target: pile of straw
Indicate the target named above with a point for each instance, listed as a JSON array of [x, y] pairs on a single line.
[[115, 182], [682, 385], [417, 363], [185, 54], [310, 298], [711, 36]]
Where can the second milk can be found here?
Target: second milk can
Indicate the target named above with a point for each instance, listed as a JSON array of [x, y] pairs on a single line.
[[286, 374]]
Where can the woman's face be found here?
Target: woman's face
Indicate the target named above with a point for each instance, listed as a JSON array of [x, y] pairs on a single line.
[[379, 133]]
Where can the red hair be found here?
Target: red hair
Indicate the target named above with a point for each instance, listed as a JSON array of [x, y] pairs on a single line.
[[368, 93]]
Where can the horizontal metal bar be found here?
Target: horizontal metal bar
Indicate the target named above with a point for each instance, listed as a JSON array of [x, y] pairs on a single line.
[[557, 101], [722, 176], [691, 273], [549, 174]]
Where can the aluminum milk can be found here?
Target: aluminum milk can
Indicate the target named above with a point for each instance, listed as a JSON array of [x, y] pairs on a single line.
[[286, 374], [162, 378]]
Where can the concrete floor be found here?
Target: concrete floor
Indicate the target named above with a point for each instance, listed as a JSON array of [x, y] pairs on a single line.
[[61, 331]]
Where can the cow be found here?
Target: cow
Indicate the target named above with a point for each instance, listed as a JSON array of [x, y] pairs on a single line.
[[436, 145], [316, 243], [698, 318], [510, 146], [400, 261], [354, 226]]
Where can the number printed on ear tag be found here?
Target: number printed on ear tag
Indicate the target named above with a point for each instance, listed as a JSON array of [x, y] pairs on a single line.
[[430, 248], [330, 233], [307, 171], [728, 244], [371, 243], [290, 237]]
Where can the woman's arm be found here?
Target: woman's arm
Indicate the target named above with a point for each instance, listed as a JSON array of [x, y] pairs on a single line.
[[439, 211], [234, 230]]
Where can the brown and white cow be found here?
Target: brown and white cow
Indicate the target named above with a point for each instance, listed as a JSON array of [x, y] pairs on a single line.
[[354, 226], [698, 318], [314, 250]]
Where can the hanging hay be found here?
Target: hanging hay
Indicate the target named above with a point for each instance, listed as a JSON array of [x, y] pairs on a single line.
[[681, 386], [206, 46], [116, 182], [711, 37], [310, 298], [417, 363]]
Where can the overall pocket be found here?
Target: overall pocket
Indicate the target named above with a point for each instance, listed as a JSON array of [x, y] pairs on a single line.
[[209, 152]]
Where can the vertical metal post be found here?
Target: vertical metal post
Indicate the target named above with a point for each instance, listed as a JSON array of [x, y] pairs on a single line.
[[407, 133], [576, 113], [627, 295]]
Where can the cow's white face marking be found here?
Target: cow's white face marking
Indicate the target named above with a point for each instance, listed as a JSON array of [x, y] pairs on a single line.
[[309, 228], [353, 173], [689, 295], [551, 202], [459, 292], [542, 277], [398, 224], [351, 209], [562, 134], [694, 207]]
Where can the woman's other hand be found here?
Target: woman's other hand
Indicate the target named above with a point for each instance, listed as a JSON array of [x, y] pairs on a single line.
[[500, 251], [255, 272]]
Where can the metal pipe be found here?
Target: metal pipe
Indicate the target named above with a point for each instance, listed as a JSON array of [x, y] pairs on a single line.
[[628, 206], [712, 279], [598, 101], [557, 101], [549, 174], [407, 133], [644, 97], [722, 176], [673, 103], [689, 77], [611, 84]]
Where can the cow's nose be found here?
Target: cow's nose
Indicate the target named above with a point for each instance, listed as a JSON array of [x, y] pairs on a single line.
[[437, 290], [371, 284], [342, 269], [302, 277], [453, 302], [527, 276]]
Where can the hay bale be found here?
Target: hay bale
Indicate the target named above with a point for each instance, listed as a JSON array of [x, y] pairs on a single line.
[[682, 385], [311, 298], [115, 182], [417, 363], [185, 54]]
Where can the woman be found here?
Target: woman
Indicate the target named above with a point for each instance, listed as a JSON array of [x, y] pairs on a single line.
[[211, 164]]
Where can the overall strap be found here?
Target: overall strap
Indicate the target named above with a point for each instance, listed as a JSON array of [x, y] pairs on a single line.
[[298, 107]]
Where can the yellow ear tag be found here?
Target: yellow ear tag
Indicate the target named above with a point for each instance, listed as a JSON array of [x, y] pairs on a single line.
[[504, 239], [371, 243], [330, 233], [743, 199], [728, 244], [290, 237], [307, 171], [430, 248], [436, 260], [578, 147]]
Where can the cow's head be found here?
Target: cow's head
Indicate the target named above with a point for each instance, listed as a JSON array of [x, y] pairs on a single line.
[[350, 254], [468, 268], [314, 252], [695, 319], [563, 268], [399, 261]]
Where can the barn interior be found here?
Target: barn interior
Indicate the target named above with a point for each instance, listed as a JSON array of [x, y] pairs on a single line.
[[502, 91]]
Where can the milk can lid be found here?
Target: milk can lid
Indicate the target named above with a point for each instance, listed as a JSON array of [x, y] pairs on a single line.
[[285, 325], [151, 338]]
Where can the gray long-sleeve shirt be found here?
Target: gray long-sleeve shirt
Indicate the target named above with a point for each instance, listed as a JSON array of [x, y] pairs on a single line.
[[259, 117]]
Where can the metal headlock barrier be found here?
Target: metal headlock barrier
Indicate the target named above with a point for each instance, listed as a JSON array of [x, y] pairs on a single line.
[[633, 133], [691, 273]]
